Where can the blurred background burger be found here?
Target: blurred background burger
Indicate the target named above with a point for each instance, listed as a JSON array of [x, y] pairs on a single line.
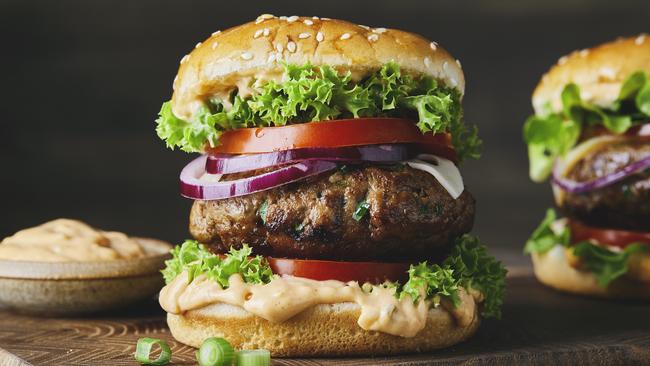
[[591, 135]]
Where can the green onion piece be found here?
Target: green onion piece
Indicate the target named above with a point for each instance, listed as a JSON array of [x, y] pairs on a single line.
[[143, 352], [257, 357], [361, 211], [215, 352]]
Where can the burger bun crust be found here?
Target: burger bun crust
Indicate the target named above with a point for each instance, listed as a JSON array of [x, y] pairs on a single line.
[[256, 51], [599, 72], [324, 330]]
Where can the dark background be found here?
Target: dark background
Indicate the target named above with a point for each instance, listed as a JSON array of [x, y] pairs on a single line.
[[82, 82]]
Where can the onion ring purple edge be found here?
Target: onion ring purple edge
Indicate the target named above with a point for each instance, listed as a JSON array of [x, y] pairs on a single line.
[[225, 164], [192, 187], [572, 186]]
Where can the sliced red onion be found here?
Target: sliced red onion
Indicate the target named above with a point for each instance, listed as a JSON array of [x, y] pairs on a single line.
[[227, 164], [572, 186], [192, 186]]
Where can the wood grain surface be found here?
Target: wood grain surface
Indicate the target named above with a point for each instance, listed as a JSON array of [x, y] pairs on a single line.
[[539, 327]]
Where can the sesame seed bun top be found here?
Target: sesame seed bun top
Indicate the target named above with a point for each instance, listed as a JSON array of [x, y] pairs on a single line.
[[599, 72], [255, 51]]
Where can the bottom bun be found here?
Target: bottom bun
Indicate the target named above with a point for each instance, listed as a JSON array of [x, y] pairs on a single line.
[[330, 330], [552, 269]]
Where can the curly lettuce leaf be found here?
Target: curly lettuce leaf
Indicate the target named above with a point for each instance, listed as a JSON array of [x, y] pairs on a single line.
[[194, 258], [544, 238], [310, 93], [552, 135], [605, 264], [468, 266]]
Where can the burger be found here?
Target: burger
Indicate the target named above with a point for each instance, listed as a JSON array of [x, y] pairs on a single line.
[[329, 215], [591, 135]]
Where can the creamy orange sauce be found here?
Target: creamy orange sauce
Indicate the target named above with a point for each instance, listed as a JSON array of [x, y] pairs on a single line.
[[65, 240], [286, 296]]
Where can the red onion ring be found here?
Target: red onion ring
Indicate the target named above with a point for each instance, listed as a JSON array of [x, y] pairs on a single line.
[[227, 164], [572, 186], [193, 187]]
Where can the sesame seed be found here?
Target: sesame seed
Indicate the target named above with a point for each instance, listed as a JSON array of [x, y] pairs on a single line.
[[445, 65], [640, 40], [315, 18], [562, 60], [247, 56], [265, 16], [379, 30], [271, 58], [266, 32], [583, 53], [215, 45], [458, 63], [258, 33], [283, 18], [373, 37], [291, 46], [453, 83], [427, 62], [345, 36], [433, 45], [326, 18], [198, 45], [364, 27], [292, 18], [215, 33], [279, 47], [304, 35], [308, 22], [320, 37], [185, 59]]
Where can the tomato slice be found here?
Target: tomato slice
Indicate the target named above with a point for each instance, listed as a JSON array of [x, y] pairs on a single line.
[[361, 272], [337, 133], [616, 238]]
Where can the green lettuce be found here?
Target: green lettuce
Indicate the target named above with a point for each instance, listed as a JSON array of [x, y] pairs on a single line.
[[605, 264], [310, 93], [194, 258], [468, 266], [552, 135], [544, 238]]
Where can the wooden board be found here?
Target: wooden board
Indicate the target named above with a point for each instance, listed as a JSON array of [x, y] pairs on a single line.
[[539, 326]]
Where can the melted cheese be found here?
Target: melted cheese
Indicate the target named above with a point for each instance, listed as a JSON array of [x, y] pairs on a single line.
[[65, 240], [286, 296]]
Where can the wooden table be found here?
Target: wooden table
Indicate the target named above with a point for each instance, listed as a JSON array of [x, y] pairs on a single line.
[[539, 326]]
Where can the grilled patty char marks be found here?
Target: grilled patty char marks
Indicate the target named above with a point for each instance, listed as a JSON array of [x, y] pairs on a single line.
[[624, 205], [410, 216]]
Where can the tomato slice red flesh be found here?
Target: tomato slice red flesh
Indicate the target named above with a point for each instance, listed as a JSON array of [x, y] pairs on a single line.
[[330, 134], [611, 237], [320, 270]]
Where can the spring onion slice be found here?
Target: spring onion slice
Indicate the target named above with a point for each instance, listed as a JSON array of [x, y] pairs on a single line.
[[258, 357], [143, 352], [215, 352]]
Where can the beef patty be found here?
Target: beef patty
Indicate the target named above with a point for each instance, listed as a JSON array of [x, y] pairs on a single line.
[[409, 216], [624, 205]]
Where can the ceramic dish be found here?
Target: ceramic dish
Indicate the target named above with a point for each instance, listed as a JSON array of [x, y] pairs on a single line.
[[66, 288]]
